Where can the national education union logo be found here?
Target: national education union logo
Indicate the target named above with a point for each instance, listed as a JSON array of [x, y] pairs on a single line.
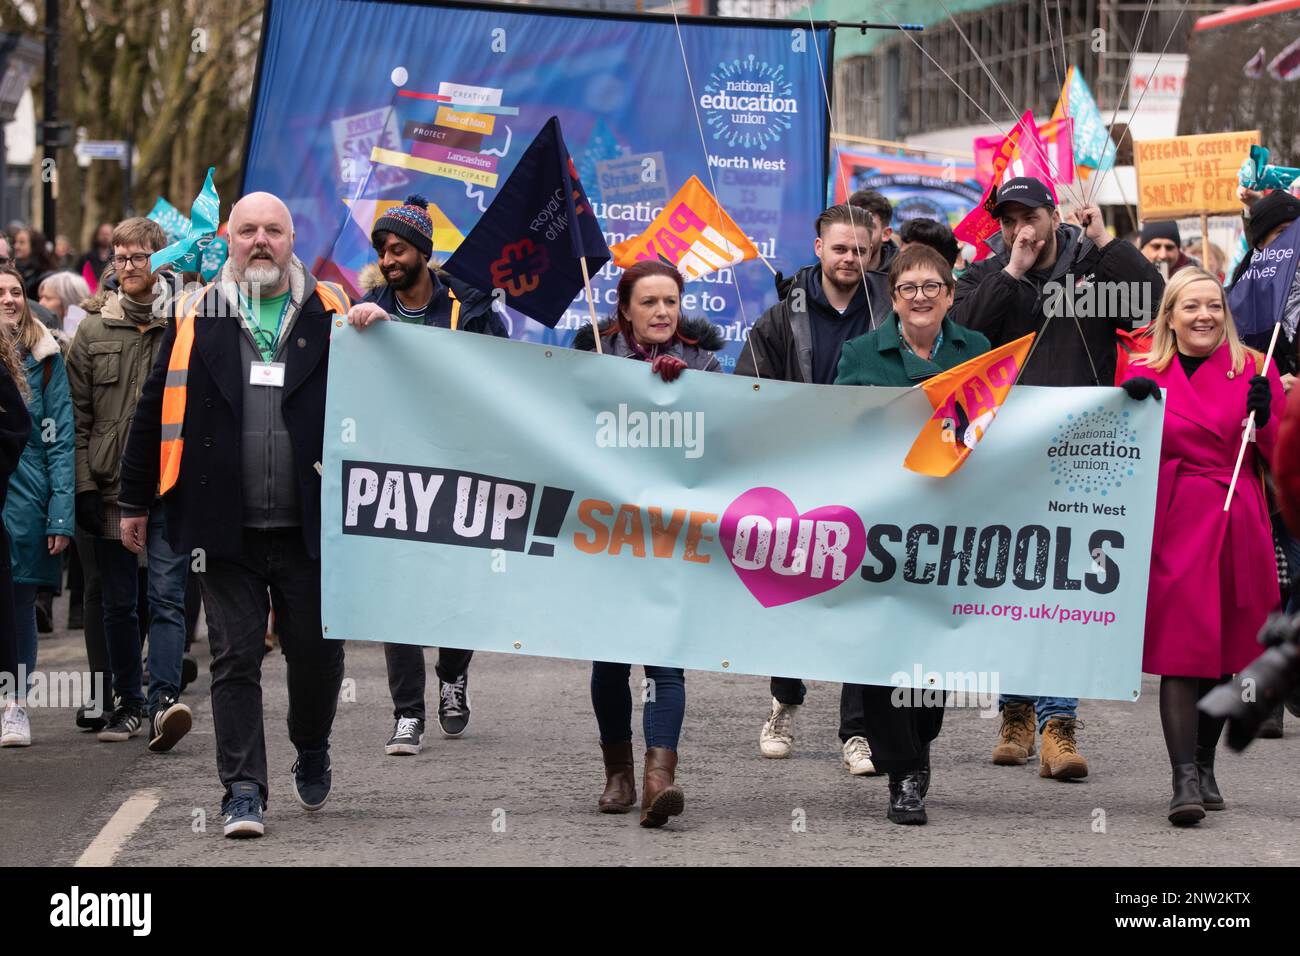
[[748, 103], [1093, 452]]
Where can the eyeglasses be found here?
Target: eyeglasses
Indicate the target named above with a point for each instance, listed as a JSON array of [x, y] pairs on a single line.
[[137, 261], [908, 290]]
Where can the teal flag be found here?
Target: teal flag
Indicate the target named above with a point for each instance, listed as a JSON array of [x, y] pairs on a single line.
[[566, 504], [186, 253], [1092, 143], [173, 222]]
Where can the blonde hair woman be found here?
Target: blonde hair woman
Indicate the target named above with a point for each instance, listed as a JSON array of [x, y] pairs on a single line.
[[1213, 575]]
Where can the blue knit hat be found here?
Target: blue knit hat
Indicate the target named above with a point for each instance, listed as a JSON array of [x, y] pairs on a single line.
[[409, 222]]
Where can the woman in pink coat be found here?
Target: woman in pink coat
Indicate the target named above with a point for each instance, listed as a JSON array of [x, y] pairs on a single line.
[[1213, 575]]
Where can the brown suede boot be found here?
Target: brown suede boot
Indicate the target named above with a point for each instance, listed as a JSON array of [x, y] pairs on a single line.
[[661, 798], [1059, 758], [620, 779], [1016, 738]]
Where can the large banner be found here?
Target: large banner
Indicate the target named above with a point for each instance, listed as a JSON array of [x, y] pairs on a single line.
[[919, 189], [442, 100], [509, 497]]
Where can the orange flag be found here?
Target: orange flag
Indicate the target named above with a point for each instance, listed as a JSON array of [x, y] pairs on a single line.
[[693, 233], [965, 399]]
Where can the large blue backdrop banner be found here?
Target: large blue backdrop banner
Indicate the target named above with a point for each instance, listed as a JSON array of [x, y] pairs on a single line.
[[359, 104]]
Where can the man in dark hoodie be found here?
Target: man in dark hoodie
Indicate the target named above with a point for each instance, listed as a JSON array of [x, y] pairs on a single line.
[[1037, 261], [414, 292], [799, 340]]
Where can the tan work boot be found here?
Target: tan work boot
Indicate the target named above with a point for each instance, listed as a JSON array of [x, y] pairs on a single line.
[[1016, 739], [1059, 759]]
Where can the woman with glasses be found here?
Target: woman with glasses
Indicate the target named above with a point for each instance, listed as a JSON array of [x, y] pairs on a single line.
[[38, 513], [914, 342]]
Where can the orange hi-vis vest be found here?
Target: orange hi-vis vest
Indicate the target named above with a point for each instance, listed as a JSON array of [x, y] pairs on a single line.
[[178, 372]]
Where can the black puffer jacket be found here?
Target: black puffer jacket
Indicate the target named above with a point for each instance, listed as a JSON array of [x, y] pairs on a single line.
[[708, 339], [1072, 350]]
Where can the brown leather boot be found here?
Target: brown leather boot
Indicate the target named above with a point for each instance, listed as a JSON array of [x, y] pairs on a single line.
[[1060, 757], [661, 798], [1016, 738], [620, 779]]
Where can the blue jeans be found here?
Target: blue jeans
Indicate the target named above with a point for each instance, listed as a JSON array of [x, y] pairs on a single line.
[[665, 704], [25, 625], [1044, 707], [168, 571]]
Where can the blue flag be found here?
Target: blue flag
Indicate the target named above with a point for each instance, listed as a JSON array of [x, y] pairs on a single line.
[[186, 253], [1258, 297], [530, 239]]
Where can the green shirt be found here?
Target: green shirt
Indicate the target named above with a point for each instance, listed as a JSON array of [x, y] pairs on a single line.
[[268, 313]]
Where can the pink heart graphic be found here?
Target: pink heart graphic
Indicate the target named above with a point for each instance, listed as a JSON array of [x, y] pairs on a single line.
[[817, 550]]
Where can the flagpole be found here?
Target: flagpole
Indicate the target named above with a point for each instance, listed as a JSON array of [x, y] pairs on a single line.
[[765, 262], [1250, 424], [591, 304]]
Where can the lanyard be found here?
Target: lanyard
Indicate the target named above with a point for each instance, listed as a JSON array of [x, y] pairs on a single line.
[[255, 326]]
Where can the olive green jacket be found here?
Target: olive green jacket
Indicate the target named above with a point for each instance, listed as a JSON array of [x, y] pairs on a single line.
[[110, 359], [880, 357]]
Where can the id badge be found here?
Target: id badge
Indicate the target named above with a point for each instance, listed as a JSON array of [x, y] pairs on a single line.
[[266, 373]]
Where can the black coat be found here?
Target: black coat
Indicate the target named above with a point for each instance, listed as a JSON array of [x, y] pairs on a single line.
[[780, 342], [1004, 309], [476, 313], [205, 507]]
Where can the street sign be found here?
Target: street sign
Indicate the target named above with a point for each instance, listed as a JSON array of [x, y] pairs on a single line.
[[102, 149]]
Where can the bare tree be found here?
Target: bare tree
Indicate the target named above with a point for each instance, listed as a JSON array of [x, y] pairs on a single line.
[[173, 76]]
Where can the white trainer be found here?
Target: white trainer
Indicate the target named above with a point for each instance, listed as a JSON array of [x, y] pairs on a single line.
[[15, 728], [857, 757], [778, 731]]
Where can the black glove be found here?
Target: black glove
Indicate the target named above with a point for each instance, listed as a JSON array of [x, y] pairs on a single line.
[[90, 513], [782, 285], [1140, 388], [1259, 400]]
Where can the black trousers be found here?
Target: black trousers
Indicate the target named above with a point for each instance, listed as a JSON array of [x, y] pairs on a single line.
[[788, 690], [406, 674], [8, 630], [235, 594], [92, 597], [900, 735], [853, 715]]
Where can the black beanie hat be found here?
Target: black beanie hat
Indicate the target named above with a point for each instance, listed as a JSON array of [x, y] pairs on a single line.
[[1270, 212], [410, 222], [1163, 229]]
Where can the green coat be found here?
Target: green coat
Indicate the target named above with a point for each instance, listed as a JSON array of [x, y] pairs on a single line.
[[881, 358], [40, 491], [110, 359]]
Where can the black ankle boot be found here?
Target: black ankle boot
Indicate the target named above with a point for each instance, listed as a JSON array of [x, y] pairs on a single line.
[[1186, 808], [906, 801], [1211, 799]]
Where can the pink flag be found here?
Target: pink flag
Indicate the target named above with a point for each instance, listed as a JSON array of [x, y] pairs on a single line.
[[1021, 152]]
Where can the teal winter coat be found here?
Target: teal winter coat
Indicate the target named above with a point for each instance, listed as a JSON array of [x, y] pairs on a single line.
[[880, 358], [40, 501]]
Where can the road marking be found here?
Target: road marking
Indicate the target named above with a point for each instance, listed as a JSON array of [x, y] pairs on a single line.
[[106, 846]]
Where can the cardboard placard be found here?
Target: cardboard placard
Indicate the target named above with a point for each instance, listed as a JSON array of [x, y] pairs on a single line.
[[1190, 175]]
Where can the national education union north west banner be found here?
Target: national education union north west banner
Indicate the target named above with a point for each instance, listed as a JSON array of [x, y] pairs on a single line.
[[505, 496], [360, 104]]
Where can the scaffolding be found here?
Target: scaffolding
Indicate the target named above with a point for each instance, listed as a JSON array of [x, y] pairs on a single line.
[[895, 91]]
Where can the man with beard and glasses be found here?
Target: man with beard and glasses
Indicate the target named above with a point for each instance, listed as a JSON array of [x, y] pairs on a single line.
[[230, 430], [799, 339], [414, 292]]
